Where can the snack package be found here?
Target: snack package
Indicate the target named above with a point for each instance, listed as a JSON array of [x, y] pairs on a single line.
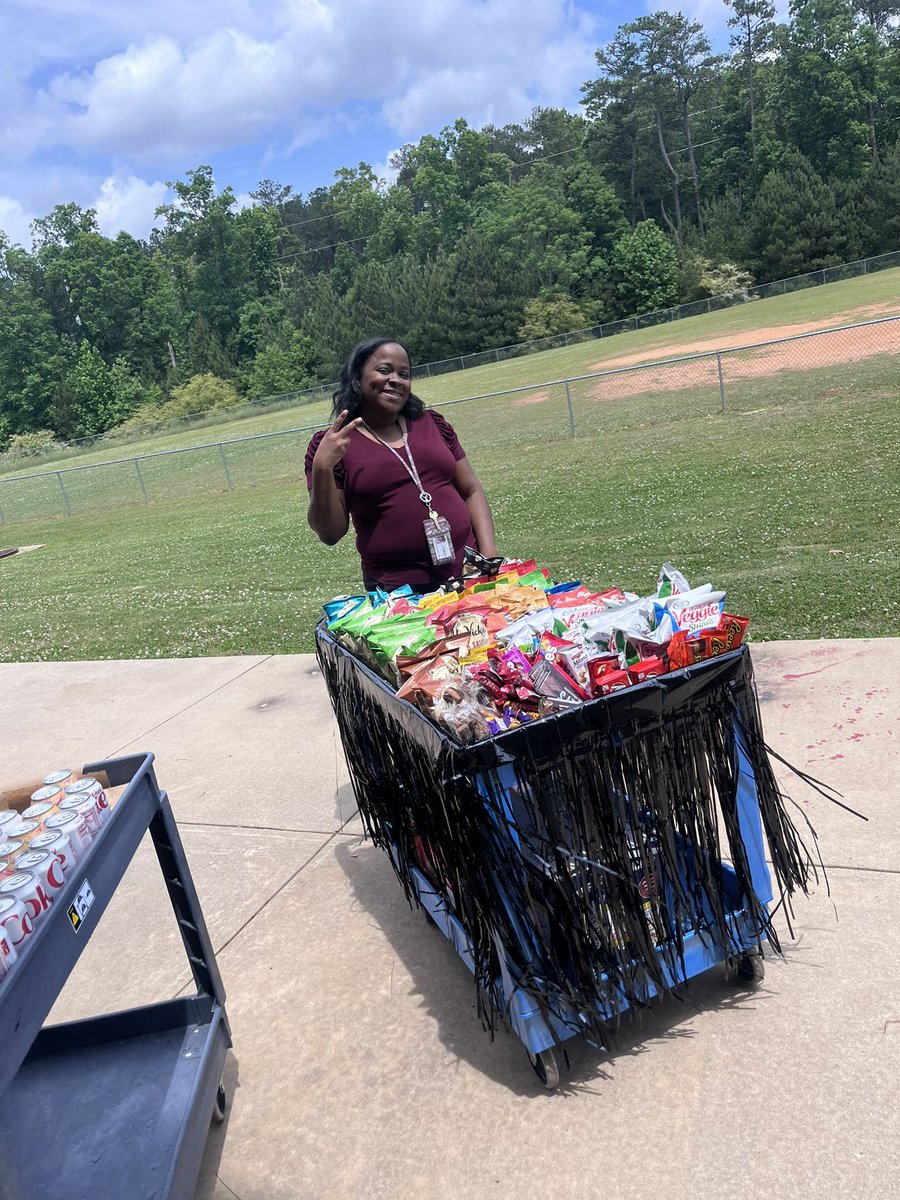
[[425, 682], [612, 681], [461, 706], [671, 582], [551, 680], [342, 606], [647, 668], [599, 667], [691, 611]]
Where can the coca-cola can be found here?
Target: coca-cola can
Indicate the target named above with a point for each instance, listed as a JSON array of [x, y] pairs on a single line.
[[84, 806], [59, 779], [8, 953], [93, 788], [79, 830], [15, 920], [58, 842], [9, 850], [48, 868], [27, 887]]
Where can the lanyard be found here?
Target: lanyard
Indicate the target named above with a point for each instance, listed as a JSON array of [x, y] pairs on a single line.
[[409, 466]]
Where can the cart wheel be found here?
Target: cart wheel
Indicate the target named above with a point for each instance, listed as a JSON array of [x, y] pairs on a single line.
[[747, 969], [544, 1066], [218, 1112]]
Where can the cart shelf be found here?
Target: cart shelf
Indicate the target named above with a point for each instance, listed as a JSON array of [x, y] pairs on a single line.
[[117, 1105]]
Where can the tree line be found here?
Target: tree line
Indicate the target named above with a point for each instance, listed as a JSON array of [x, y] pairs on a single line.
[[686, 174]]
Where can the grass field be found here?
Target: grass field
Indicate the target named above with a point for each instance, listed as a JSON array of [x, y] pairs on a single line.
[[794, 509], [834, 304]]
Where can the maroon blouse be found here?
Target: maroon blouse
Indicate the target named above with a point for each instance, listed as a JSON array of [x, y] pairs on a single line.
[[384, 503]]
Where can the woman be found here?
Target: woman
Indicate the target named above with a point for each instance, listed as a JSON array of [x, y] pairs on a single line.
[[397, 470]]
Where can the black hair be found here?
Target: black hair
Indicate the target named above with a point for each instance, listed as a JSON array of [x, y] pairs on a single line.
[[348, 394]]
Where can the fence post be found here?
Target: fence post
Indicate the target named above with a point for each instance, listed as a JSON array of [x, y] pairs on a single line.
[[62, 488], [137, 468], [721, 381], [225, 467], [2, 518], [496, 354], [571, 410]]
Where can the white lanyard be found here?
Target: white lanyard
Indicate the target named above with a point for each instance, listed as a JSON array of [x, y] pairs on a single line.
[[410, 468]]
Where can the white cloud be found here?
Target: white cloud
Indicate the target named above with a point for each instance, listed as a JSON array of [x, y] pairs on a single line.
[[15, 222], [129, 203], [100, 97], [166, 97]]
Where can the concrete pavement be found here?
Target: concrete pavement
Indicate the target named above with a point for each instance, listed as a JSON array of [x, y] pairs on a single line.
[[359, 1066]]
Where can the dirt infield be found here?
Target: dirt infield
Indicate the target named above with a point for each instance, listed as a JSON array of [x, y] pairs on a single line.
[[829, 349]]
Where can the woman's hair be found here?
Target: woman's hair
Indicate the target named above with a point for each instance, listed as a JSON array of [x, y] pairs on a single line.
[[348, 394]]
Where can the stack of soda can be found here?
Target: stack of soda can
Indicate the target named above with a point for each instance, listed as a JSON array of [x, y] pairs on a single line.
[[38, 849]]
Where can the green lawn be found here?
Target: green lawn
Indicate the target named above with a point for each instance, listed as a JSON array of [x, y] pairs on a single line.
[[793, 507], [837, 303]]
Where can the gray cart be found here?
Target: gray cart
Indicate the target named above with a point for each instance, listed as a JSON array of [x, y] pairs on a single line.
[[116, 1107]]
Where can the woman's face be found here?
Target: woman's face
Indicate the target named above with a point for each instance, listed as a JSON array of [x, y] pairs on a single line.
[[385, 383]]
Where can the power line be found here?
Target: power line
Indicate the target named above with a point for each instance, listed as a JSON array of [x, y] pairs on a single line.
[[330, 246], [312, 220]]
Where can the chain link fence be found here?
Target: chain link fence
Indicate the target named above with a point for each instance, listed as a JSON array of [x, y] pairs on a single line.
[[464, 362], [856, 360]]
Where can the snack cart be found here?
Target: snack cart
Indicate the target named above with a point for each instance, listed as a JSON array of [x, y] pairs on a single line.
[[118, 1105], [588, 861]]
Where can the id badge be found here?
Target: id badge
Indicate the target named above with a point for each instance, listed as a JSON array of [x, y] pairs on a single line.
[[440, 542]]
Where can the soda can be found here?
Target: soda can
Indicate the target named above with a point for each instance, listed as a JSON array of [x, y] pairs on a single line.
[[37, 812], [59, 779], [48, 792], [26, 886], [23, 831], [8, 952], [93, 788], [85, 809], [15, 921], [8, 816], [57, 841], [79, 831], [47, 867]]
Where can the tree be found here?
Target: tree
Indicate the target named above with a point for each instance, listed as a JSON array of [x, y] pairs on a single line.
[[792, 222], [753, 21], [658, 62], [645, 270], [287, 364]]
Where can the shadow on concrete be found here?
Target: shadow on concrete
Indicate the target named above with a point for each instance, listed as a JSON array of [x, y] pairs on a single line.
[[447, 993], [208, 1176]]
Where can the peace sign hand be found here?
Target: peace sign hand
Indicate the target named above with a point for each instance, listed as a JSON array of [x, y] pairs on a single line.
[[333, 445]]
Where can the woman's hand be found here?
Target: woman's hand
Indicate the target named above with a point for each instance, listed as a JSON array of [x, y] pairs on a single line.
[[333, 445]]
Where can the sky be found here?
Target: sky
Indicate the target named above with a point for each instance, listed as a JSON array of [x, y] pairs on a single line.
[[104, 101]]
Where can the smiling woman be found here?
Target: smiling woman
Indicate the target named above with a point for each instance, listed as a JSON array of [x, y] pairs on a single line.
[[397, 470]]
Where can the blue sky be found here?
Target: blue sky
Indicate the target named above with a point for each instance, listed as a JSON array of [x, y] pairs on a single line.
[[105, 100]]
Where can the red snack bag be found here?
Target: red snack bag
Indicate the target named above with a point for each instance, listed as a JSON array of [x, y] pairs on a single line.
[[647, 668], [732, 629], [599, 667], [613, 681]]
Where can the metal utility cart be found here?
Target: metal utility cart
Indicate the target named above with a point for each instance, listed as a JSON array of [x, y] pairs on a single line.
[[585, 863], [116, 1106]]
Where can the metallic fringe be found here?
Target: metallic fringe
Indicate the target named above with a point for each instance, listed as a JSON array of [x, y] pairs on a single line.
[[585, 849]]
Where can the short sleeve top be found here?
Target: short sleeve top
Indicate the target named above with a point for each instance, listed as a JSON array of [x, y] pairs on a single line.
[[384, 505]]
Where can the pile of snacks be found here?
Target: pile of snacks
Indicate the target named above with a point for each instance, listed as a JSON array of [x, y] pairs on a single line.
[[499, 652]]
